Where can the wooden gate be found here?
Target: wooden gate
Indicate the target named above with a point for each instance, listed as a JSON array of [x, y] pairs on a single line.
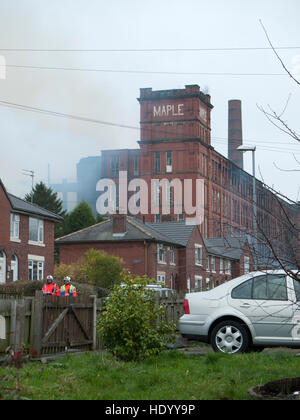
[[64, 323]]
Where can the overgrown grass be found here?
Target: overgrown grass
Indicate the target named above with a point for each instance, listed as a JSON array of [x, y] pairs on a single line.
[[171, 376]]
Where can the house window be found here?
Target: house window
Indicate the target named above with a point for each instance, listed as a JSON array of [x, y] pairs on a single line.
[[168, 162], [161, 278], [172, 255], [36, 230], [213, 264], [35, 270], [246, 265], [207, 264], [198, 283], [198, 254], [228, 267], [221, 266], [14, 226], [161, 253]]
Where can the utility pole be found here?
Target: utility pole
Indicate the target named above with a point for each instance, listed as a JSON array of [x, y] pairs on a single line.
[[31, 174]]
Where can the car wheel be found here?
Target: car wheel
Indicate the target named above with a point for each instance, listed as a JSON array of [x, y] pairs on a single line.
[[230, 337]]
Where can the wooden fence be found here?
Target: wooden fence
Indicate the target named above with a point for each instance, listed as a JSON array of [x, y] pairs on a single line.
[[49, 325]]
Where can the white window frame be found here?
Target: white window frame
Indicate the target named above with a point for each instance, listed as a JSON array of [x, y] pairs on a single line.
[[14, 227], [172, 255], [161, 277], [208, 263], [161, 251], [198, 283], [213, 264], [228, 267], [198, 249], [246, 264], [40, 265], [221, 266], [39, 240]]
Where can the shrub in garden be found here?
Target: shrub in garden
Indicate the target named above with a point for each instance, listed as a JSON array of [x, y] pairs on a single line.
[[96, 268], [132, 325]]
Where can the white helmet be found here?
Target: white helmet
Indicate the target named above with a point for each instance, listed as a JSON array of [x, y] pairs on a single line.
[[50, 278], [67, 279]]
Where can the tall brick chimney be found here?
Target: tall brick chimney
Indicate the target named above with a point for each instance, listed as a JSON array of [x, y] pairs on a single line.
[[235, 133], [119, 224]]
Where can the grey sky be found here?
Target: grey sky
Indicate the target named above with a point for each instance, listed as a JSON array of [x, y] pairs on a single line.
[[31, 140]]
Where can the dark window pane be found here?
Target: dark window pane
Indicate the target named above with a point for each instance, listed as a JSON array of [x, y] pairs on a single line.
[[243, 291], [260, 288], [277, 288]]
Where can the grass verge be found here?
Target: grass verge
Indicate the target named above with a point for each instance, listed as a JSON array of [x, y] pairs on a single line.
[[171, 376]]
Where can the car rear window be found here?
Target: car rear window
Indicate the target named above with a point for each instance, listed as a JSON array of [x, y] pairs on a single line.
[[243, 291]]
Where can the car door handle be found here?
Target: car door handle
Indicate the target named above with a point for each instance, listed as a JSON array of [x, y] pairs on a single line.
[[245, 305]]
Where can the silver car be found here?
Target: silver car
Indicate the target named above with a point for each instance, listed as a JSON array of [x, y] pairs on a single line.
[[257, 310]]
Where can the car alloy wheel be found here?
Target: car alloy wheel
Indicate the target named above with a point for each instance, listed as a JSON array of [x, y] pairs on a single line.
[[230, 337]]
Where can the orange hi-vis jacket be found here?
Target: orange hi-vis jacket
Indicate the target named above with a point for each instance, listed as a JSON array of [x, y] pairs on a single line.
[[51, 289]]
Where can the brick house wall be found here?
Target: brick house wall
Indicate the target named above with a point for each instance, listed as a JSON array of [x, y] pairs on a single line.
[[21, 248], [141, 258]]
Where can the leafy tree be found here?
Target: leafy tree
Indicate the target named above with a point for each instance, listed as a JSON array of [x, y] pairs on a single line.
[[101, 269], [133, 326], [81, 217], [97, 268]]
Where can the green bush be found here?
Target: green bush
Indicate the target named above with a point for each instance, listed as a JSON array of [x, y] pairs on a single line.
[[132, 325]]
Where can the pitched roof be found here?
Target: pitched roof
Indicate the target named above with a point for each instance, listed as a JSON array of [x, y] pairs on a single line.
[[178, 232], [231, 248], [103, 232], [23, 206]]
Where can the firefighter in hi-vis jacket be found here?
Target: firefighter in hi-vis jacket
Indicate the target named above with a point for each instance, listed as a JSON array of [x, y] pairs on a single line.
[[68, 289], [50, 288]]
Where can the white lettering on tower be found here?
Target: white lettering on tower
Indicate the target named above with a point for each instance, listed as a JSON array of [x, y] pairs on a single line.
[[168, 110]]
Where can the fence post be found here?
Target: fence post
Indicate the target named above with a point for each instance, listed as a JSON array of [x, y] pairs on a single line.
[[17, 324], [94, 322], [37, 323]]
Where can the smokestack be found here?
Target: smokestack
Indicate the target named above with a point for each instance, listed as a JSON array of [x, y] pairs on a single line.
[[235, 133]]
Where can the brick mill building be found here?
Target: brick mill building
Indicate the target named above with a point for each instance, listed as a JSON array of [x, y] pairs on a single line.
[[170, 252], [175, 143], [26, 239]]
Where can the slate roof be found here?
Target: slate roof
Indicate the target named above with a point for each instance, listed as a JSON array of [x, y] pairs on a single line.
[[178, 232], [231, 248], [23, 206], [103, 232], [20, 205]]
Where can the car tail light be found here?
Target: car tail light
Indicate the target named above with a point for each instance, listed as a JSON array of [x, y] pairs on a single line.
[[186, 307]]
